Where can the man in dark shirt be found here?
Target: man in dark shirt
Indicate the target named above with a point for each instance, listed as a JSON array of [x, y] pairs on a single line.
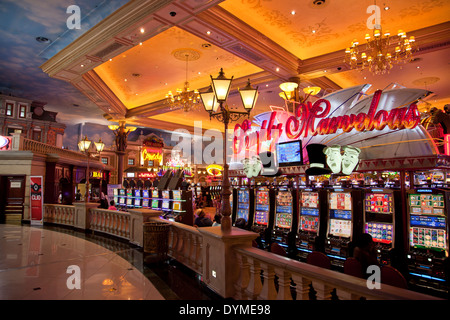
[[202, 220]]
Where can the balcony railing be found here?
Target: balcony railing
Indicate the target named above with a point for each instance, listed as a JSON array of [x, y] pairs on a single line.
[[251, 273]]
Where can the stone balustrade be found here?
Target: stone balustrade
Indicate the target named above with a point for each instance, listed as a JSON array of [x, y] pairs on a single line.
[[59, 214], [228, 263], [112, 222]]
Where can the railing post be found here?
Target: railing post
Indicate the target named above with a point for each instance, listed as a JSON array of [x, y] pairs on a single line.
[[82, 214], [220, 271]]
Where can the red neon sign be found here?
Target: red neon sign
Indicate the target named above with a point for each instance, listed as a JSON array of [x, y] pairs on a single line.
[[447, 144], [302, 123]]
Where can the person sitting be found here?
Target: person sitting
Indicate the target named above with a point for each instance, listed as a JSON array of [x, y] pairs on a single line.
[[240, 223], [217, 219], [112, 205], [202, 220], [365, 252]]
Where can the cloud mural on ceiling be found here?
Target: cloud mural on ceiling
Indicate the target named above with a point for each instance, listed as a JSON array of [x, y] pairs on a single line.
[[21, 55]]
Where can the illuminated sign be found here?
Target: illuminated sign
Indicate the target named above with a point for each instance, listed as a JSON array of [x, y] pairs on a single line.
[[96, 174], [151, 155], [447, 144], [214, 169], [147, 175], [303, 123], [5, 143]]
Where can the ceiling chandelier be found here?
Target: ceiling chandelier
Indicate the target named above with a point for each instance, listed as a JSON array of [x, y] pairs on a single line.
[[381, 52], [185, 99], [291, 95]]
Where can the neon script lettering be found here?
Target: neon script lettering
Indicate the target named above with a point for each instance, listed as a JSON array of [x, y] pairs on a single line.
[[302, 123]]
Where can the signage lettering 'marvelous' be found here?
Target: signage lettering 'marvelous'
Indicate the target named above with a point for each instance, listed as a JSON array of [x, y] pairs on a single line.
[[303, 123]]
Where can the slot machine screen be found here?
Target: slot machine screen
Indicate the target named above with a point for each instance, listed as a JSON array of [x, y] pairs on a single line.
[[262, 207], [283, 218], [116, 192], [379, 203], [340, 201], [176, 205], [154, 204], [243, 204], [137, 193], [340, 214], [137, 203], [129, 202], [165, 205], [165, 194], [427, 222], [145, 203], [145, 194], [121, 200], [121, 192], [155, 194], [176, 194], [309, 212], [340, 228], [380, 232]]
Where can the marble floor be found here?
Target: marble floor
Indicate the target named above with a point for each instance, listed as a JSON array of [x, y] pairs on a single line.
[[53, 263]]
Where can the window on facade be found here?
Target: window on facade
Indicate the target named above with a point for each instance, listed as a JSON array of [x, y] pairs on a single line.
[[9, 109], [104, 160], [131, 162], [22, 111]]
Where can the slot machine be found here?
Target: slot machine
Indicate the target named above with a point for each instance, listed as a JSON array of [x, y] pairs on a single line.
[[156, 199], [285, 212], [244, 205], [146, 198], [182, 206], [137, 198], [116, 196], [264, 211], [166, 205], [130, 198], [122, 198], [380, 209], [344, 223], [428, 235], [312, 217]]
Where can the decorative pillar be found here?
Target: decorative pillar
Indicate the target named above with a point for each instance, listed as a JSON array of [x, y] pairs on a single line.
[[220, 270]]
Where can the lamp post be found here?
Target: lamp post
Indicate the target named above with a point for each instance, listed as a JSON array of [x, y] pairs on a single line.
[[214, 102], [121, 132], [84, 146]]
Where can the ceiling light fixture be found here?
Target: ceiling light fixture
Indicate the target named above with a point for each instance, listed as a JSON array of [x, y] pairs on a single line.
[[381, 52], [291, 94], [185, 98]]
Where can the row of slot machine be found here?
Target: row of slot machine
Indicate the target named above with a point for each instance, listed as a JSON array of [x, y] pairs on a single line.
[[328, 220]]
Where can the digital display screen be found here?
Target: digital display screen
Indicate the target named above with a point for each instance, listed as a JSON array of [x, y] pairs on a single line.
[[310, 199], [155, 204], [115, 192], [176, 194], [262, 200], [340, 201], [129, 202], [309, 223], [137, 202], [380, 232], [122, 200], [284, 201], [137, 193], [165, 205], [166, 194], [432, 204], [340, 228], [122, 192], [427, 221], [145, 203], [289, 153], [243, 196], [309, 212], [242, 214], [340, 214], [155, 194], [145, 194], [176, 205], [379, 203], [428, 238], [283, 220], [262, 217]]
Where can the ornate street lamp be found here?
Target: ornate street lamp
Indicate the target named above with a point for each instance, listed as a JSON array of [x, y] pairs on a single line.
[[214, 102], [84, 146]]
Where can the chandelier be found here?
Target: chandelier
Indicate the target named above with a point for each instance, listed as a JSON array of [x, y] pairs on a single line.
[[185, 99], [381, 52]]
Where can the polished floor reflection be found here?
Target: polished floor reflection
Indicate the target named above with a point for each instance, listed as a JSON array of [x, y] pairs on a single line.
[[54, 263]]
